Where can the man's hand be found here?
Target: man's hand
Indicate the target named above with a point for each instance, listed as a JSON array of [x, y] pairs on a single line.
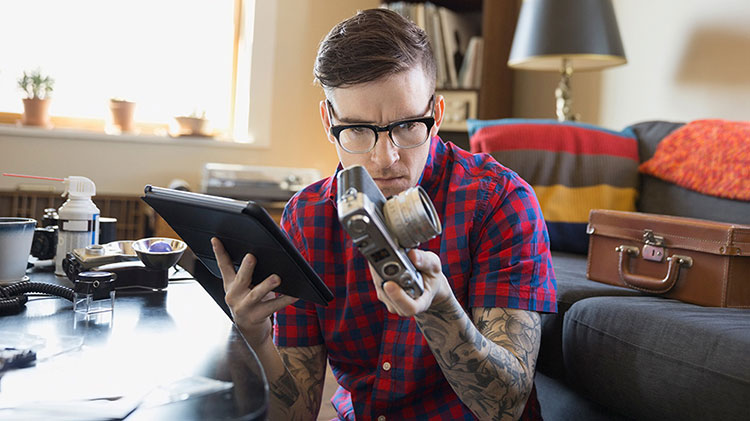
[[436, 286], [251, 307]]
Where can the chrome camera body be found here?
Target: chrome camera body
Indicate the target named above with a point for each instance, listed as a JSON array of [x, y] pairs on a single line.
[[383, 230]]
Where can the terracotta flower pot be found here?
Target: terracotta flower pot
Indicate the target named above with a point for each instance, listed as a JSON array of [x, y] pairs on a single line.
[[192, 126], [122, 115], [36, 112]]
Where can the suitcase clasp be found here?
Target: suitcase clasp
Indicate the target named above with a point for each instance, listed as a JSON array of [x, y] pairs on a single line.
[[651, 239], [653, 250]]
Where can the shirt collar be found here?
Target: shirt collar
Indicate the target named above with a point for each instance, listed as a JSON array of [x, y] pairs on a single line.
[[431, 176]]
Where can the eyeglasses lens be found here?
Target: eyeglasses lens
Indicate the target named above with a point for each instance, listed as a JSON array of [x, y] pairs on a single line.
[[362, 139]]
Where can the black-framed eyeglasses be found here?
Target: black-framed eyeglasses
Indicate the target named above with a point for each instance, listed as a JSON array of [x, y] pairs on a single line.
[[405, 134]]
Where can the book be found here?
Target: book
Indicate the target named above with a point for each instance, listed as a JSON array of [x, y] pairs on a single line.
[[457, 30], [450, 34], [470, 75], [434, 32]]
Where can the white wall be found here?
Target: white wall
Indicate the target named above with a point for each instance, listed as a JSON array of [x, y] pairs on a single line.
[[687, 59]]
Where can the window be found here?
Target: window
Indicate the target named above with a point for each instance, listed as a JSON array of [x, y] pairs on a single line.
[[171, 57]]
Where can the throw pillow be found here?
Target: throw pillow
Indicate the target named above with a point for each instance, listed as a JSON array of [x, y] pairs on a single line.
[[572, 167], [658, 196], [708, 156]]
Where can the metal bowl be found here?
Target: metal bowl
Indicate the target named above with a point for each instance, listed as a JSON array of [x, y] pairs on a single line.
[[159, 259]]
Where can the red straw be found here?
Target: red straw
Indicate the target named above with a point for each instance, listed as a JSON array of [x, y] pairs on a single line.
[[33, 176]]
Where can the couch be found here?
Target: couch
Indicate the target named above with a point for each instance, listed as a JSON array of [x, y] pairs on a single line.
[[615, 353]]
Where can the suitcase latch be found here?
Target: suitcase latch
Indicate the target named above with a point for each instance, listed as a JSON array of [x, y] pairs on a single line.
[[653, 250]]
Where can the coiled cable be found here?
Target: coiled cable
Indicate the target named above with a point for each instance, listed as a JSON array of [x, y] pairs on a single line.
[[14, 297]]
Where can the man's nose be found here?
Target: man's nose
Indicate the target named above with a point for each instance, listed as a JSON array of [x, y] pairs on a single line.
[[385, 152]]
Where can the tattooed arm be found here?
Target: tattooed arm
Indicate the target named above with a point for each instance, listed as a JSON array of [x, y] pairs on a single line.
[[489, 363], [294, 374], [295, 379]]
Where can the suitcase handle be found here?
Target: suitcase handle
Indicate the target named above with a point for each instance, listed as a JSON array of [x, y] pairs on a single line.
[[647, 283]]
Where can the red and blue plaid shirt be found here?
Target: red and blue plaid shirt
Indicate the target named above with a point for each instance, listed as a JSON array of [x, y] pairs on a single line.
[[494, 251]]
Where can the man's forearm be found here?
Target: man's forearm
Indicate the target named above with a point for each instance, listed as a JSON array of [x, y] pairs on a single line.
[[294, 394], [487, 377]]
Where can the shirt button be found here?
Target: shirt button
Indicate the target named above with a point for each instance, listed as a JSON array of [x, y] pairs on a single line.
[[386, 367], [382, 417]]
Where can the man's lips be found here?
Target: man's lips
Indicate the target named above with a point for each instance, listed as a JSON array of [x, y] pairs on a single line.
[[387, 180]]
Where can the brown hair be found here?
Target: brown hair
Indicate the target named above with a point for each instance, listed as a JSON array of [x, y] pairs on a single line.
[[370, 45]]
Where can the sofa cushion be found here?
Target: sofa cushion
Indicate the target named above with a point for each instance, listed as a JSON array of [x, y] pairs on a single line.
[[654, 358], [573, 168], [662, 197], [560, 402], [572, 286]]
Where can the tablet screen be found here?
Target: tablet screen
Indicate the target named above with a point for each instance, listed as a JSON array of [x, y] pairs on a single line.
[[243, 227]]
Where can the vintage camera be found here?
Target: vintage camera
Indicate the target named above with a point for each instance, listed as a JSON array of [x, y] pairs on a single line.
[[44, 244], [96, 255], [383, 229], [136, 263]]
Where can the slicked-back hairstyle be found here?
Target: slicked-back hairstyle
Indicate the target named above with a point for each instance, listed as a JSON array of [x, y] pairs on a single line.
[[370, 45]]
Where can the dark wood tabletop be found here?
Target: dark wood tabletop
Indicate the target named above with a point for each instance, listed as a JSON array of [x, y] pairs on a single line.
[[166, 344]]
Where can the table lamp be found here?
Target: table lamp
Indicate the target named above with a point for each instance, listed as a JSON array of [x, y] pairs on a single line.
[[566, 35]]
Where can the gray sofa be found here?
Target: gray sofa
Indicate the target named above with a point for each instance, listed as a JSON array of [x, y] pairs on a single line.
[[615, 353]]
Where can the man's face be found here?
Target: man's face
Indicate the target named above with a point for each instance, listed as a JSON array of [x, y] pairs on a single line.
[[401, 96]]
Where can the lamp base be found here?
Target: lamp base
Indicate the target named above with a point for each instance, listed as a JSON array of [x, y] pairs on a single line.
[[563, 95]]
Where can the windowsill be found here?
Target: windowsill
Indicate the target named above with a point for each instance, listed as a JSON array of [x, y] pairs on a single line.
[[7, 130]]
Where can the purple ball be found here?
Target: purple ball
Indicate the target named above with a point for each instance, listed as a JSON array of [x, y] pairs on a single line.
[[159, 247]]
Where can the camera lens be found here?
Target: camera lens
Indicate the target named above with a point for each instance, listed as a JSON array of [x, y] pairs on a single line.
[[358, 223], [411, 217], [391, 268]]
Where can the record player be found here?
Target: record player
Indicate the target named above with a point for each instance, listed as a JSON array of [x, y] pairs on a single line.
[[257, 183]]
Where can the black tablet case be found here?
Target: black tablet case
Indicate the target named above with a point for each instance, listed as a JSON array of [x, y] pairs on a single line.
[[243, 227]]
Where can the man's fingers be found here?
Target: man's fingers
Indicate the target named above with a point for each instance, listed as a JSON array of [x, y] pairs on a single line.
[[244, 276], [400, 300], [425, 261], [268, 307], [224, 262]]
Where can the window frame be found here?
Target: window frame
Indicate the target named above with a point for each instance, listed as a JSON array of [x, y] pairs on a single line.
[[252, 70]]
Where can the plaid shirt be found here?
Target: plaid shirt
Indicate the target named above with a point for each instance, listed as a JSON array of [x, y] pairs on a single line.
[[494, 252]]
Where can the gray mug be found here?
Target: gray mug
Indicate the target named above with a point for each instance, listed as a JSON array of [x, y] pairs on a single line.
[[16, 235]]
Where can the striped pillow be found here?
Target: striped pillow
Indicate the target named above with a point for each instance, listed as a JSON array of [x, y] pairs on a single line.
[[573, 168]]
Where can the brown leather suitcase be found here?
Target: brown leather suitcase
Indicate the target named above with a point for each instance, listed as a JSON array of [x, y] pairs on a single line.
[[692, 260]]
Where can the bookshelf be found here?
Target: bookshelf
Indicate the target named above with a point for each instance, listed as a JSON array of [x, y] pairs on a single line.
[[491, 96]]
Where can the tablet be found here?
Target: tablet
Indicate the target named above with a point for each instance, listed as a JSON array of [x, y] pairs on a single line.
[[243, 227]]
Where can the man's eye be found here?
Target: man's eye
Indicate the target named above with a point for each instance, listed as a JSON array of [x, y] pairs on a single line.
[[408, 125], [358, 130]]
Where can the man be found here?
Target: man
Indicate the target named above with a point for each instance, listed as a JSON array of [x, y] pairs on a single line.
[[467, 347]]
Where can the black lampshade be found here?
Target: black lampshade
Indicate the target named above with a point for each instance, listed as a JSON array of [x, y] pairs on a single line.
[[582, 32]]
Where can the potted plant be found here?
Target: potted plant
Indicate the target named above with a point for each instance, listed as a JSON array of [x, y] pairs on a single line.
[[122, 114], [36, 103], [193, 124]]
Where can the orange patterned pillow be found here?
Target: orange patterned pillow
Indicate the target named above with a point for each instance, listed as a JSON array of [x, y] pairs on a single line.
[[708, 156]]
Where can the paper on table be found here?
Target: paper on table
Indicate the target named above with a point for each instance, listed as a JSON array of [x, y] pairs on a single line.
[[44, 347]]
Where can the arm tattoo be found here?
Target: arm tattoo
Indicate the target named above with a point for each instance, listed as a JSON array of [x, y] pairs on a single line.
[[285, 389], [297, 393], [490, 366]]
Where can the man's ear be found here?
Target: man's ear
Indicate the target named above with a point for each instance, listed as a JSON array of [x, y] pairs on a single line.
[[439, 113], [326, 120]]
